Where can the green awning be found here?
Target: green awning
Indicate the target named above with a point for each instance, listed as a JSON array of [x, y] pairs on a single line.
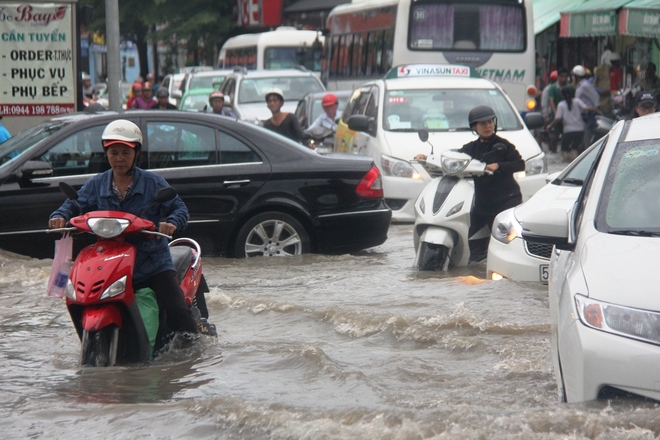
[[592, 18], [640, 18], [547, 12]]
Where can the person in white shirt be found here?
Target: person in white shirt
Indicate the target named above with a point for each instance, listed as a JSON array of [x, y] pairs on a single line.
[[569, 111]]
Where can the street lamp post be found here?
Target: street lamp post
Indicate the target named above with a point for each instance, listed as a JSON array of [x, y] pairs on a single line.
[[114, 64]]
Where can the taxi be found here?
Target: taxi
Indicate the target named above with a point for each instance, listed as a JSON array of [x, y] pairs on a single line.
[[382, 118]]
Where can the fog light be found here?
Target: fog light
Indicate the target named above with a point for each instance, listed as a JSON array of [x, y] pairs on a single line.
[[496, 276]]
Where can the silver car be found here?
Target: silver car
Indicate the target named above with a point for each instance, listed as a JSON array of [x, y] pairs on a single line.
[[603, 294]]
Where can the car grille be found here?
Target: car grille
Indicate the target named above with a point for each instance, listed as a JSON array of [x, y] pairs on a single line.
[[538, 249]]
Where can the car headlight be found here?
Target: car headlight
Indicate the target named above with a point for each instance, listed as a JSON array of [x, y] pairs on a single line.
[[115, 288], [506, 227], [398, 168], [107, 227], [642, 325], [534, 166]]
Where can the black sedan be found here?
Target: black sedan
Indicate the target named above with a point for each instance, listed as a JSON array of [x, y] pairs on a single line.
[[249, 192]]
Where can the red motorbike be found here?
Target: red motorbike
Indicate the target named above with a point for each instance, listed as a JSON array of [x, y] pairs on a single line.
[[115, 324]]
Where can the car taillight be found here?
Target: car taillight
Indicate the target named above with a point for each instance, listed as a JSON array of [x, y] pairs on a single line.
[[371, 185]]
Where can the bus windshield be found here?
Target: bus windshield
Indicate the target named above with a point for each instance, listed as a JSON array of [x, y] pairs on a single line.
[[444, 110], [467, 27]]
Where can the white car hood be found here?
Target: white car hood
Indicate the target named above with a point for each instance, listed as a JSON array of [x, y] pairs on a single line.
[[259, 110], [550, 196], [621, 270], [405, 145]]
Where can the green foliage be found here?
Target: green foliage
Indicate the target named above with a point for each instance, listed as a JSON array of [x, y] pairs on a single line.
[[204, 24]]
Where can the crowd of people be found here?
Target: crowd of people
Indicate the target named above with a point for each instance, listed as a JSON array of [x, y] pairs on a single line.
[[571, 100]]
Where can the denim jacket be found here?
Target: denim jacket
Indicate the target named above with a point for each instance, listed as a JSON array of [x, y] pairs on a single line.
[[153, 254]]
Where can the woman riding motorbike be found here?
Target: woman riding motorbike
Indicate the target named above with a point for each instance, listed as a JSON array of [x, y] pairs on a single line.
[[127, 188]]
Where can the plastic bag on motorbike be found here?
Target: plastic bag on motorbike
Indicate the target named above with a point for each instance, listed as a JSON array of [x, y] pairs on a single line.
[[59, 271]]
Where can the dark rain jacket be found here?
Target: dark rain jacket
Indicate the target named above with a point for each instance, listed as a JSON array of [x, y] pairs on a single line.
[[153, 254], [499, 191]]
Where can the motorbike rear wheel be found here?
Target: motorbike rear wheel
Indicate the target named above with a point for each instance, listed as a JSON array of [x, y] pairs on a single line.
[[432, 257], [99, 348]]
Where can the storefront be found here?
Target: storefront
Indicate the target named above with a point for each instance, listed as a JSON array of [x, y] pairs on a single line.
[[629, 27]]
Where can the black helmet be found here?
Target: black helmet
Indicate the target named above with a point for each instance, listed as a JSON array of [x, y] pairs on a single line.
[[481, 113]]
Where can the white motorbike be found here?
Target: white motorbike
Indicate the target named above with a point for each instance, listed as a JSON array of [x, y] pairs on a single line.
[[442, 210]]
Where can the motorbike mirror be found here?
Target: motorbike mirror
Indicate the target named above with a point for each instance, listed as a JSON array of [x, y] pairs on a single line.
[[423, 135], [68, 191], [165, 194]]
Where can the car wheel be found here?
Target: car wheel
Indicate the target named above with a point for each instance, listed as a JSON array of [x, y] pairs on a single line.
[[432, 256], [272, 234]]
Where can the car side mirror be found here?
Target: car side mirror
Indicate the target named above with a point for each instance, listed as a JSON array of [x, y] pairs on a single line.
[[35, 169], [358, 123], [176, 94], [534, 120], [227, 100]]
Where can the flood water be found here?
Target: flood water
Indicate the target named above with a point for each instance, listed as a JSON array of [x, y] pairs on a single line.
[[313, 347]]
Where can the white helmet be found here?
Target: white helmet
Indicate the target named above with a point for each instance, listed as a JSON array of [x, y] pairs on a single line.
[[124, 132], [579, 71], [275, 91]]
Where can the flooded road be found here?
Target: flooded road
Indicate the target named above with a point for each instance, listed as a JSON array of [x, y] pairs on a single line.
[[314, 347]]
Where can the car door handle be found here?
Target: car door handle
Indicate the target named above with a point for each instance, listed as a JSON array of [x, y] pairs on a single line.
[[236, 182]]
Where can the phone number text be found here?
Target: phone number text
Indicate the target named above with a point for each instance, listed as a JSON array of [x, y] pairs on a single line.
[[35, 109]]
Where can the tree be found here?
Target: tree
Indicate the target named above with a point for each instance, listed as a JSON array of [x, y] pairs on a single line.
[[202, 24]]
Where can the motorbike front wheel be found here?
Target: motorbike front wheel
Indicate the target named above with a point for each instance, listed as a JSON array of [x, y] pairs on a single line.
[[99, 348], [432, 257]]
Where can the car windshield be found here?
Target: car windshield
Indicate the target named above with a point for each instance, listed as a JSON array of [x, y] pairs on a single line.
[[206, 82], [628, 201], [15, 147], [194, 103], [444, 110], [293, 87]]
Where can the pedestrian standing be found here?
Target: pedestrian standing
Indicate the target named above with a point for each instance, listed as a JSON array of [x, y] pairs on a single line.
[[569, 112], [587, 93]]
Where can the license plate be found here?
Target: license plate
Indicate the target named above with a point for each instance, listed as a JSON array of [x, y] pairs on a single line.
[[544, 273]]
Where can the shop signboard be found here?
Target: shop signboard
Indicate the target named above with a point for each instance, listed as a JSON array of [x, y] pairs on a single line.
[[588, 23], [38, 62], [640, 22]]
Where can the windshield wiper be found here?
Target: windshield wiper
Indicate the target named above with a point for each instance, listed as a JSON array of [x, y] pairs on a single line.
[[573, 181], [635, 233]]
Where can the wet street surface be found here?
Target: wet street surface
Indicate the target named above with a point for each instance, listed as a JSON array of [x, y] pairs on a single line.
[[314, 347]]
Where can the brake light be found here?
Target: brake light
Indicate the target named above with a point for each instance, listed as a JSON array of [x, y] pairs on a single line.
[[371, 185]]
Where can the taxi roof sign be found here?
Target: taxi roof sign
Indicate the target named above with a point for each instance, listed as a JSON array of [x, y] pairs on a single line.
[[431, 70]]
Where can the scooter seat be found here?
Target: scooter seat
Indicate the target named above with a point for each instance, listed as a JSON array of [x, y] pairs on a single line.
[[182, 256]]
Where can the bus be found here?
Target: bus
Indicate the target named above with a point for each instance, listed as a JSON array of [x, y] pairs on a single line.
[[367, 37], [284, 48]]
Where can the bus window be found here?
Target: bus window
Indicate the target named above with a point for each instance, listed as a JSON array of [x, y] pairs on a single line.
[[451, 27]]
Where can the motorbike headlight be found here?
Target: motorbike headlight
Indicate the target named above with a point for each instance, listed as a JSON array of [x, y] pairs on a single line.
[[642, 325], [453, 166], [115, 288], [70, 291], [398, 168], [534, 166], [505, 227], [107, 227]]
